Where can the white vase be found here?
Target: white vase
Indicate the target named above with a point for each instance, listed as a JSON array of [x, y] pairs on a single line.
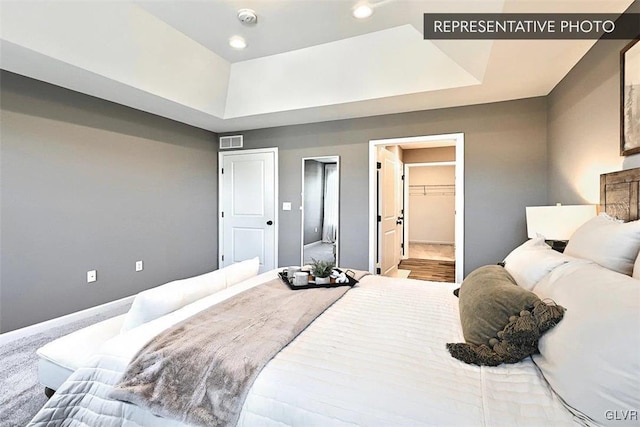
[[323, 280]]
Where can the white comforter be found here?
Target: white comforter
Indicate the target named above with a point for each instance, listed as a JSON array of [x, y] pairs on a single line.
[[377, 357]]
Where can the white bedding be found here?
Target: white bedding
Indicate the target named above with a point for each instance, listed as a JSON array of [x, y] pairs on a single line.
[[376, 357]]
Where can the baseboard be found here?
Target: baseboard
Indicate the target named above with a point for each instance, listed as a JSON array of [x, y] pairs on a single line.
[[431, 242], [7, 337]]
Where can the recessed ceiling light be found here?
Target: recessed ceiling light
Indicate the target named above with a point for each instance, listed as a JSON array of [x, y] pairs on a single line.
[[237, 42], [362, 11]]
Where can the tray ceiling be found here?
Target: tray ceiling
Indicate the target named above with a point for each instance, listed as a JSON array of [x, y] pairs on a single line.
[[306, 61]]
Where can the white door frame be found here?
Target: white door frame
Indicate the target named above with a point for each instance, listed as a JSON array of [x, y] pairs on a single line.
[[221, 155], [407, 217], [436, 140]]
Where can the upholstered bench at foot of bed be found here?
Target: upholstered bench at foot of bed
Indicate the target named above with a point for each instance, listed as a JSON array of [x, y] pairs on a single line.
[[60, 358]]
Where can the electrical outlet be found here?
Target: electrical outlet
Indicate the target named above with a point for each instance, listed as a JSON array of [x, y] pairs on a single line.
[[92, 276], [139, 266], [315, 230]]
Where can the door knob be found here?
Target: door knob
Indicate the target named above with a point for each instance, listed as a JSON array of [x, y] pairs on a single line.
[[269, 222]]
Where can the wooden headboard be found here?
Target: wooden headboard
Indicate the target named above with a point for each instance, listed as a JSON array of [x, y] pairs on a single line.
[[619, 194]]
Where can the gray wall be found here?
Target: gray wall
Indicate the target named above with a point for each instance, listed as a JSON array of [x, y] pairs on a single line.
[[505, 171], [313, 200], [431, 216], [584, 125], [88, 184]]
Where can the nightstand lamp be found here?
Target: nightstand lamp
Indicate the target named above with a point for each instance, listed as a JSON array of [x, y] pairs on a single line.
[[557, 223]]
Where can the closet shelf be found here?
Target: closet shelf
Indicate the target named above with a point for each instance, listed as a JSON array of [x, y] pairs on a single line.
[[432, 190]]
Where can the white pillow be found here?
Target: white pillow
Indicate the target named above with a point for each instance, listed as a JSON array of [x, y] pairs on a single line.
[[592, 357], [636, 268], [531, 261], [610, 243], [241, 271], [156, 302]]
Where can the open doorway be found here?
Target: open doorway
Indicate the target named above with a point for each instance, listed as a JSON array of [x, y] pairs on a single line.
[[417, 204], [429, 225]]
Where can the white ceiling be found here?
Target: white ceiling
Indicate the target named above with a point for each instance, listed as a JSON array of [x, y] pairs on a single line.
[[306, 60]]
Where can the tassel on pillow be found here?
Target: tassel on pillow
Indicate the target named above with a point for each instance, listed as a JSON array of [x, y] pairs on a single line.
[[487, 297]]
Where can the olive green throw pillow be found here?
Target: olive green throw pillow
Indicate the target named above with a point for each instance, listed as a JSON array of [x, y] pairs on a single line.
[[501, 321]]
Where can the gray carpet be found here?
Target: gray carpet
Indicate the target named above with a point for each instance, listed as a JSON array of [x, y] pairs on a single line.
[[21, 396], [320, 252]]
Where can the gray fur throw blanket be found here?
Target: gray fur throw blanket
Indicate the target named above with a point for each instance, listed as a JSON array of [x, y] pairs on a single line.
[[200, 370]]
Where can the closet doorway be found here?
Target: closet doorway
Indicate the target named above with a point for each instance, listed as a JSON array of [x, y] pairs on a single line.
[[437, 250], [429, 231]]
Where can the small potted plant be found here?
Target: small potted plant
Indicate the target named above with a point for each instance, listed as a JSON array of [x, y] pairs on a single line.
[[321, 270]]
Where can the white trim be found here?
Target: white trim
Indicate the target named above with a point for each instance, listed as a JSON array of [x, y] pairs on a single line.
[[430, 141], [407, 200], [437, 141], [10, 336], [459, 203], [337, 244], [276, 199]]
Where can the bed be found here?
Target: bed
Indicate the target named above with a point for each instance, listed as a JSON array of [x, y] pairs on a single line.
[[378, 356]]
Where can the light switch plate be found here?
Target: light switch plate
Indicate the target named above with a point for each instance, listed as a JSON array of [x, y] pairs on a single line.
[[286, 206], [139, 266], [92, 276]]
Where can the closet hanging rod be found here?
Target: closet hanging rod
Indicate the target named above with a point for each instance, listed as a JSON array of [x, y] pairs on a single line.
[[432, 190]]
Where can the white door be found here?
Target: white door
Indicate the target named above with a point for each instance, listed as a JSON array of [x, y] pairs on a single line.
[[389, 249], [248, 207]]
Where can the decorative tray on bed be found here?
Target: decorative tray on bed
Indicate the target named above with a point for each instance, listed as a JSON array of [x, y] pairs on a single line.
[[312, 284]]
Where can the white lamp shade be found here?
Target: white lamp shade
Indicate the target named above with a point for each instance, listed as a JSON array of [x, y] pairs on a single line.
[[557, 222]]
